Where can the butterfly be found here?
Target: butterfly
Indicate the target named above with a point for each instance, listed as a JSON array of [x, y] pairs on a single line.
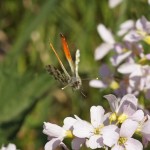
[[64, 77]]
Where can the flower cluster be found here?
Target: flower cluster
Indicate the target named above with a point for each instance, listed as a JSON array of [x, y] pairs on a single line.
[[114, 3], [129, 58], [112, 130], [9, 147]]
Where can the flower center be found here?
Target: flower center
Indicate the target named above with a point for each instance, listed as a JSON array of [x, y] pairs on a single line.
[[98, 130], [122, 118], [69, 134], [113, 117], [122, 140]]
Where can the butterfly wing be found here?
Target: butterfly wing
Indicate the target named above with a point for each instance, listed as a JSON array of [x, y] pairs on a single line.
[[62, 66], [58, 75], [77, 62], [67, 53]]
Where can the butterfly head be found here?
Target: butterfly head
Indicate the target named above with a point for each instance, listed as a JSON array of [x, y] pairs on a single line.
[[76, 83]]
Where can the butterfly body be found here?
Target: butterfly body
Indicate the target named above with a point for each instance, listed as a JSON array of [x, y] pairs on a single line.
[[64, 77], [73, 81]]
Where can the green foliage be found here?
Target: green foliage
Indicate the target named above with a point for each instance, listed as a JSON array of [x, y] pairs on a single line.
[[28, 95]]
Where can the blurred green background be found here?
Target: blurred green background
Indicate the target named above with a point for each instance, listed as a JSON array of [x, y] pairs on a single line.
[[28, 95]]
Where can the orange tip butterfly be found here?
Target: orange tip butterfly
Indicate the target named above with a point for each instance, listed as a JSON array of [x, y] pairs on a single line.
[[64, 77]]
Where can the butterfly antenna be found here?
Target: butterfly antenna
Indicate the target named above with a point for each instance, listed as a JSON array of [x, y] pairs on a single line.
[[81, 91], [65, 86], [90, 79]]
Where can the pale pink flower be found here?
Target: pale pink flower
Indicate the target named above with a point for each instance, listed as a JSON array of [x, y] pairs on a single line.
[[126, 142], [124, 108], [141, 32]]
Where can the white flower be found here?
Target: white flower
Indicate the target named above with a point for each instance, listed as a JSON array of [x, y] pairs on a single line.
[[56, 134], [97, 134], [9, 147]]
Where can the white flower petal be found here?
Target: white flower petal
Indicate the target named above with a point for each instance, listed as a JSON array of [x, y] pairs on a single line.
[[102, 50], [110, 135], [127, 68], [97, 114], [53, 130], [128, 128], [133, 144], [95, 141], [117, 147], [125, 26], [68, 123], [97, 84], [11, 147], [132, 36], [128, 104], [114, 3], [146, 130], [83, 129], [120, 58], [105, 34], [113, 102], [52, 144], [137, 116], [77, 143]]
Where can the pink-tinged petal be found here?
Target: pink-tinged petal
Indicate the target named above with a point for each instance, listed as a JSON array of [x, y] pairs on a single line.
[[105, 34], [125, 27], [64, 147], [143, 24], [128, 104], [53, 130], [120, 58], [68, 123], [127, 68], [102, 50], [117, 147], [110, 135], [114, 3], [106, 120], [97, 84], [146, 130], [83, 129], [105, 72], [145, 142], [77, 143], [137, 116], [95, 141], [52, 144], [132, 36], [113, 102], [133, 144], [128, 128], [97, 114]]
